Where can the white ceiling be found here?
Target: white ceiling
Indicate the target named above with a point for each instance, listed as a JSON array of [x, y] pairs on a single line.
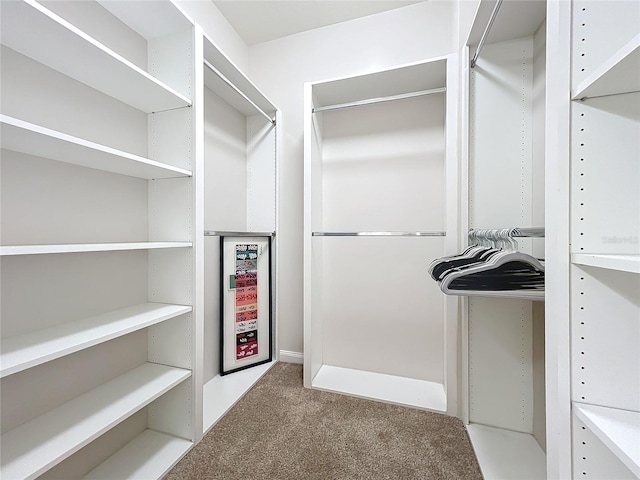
[[258, 21]]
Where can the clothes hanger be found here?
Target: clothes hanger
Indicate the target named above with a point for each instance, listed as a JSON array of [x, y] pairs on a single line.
[[472, 254], [503, 271]]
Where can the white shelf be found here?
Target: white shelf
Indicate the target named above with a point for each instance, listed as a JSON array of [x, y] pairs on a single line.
[[533, 295], [223, 392], [226, 67], [623, 263], [618, 429], [515, 20], [25, 137], [31, 449], [504, 454], [38, 33], [87, 247], [382, 387], [148, 456], [409, 78], [619, 74], [25, 351]]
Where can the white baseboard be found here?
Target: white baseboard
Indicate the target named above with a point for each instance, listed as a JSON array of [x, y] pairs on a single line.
[[291, 357]]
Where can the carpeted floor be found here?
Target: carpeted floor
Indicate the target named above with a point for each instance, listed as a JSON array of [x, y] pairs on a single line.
[[282, 431]]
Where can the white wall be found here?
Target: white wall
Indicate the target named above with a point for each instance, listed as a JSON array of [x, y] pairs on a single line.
[[218, 29], [281, 67]]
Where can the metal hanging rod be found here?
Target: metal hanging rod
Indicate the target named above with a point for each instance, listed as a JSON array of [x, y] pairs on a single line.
[[511, 232], [529, 232], [238, 91], [212, 233], [378, 234], [380, 99], [494, 14]]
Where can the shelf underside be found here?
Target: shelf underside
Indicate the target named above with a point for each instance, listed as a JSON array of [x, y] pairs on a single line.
[[386, 388], [397, 81], [25, 351], [32, 448], [226, 67], [93, 64], [25, 137]]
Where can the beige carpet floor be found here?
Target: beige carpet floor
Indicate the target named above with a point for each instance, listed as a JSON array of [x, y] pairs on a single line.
[[281, 431]]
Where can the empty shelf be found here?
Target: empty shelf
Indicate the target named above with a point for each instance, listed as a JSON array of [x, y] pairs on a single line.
[[25, 137], [222, 392], [506, 454], [38, 33], [618, 74], [226, 67], [87, 247], [25, 351], [148, 456], [623, 263], [379, 386], [618, 429], [31, 449]]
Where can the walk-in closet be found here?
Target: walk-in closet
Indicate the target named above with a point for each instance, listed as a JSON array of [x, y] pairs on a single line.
[[431, 204]]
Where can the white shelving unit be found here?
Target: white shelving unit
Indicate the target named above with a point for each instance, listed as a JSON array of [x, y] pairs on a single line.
[[101, 276], [503, 332], [605, 250], [240, 167], [596, 415], [93, 63], [31, 449], [377, 206], [32, 349]]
